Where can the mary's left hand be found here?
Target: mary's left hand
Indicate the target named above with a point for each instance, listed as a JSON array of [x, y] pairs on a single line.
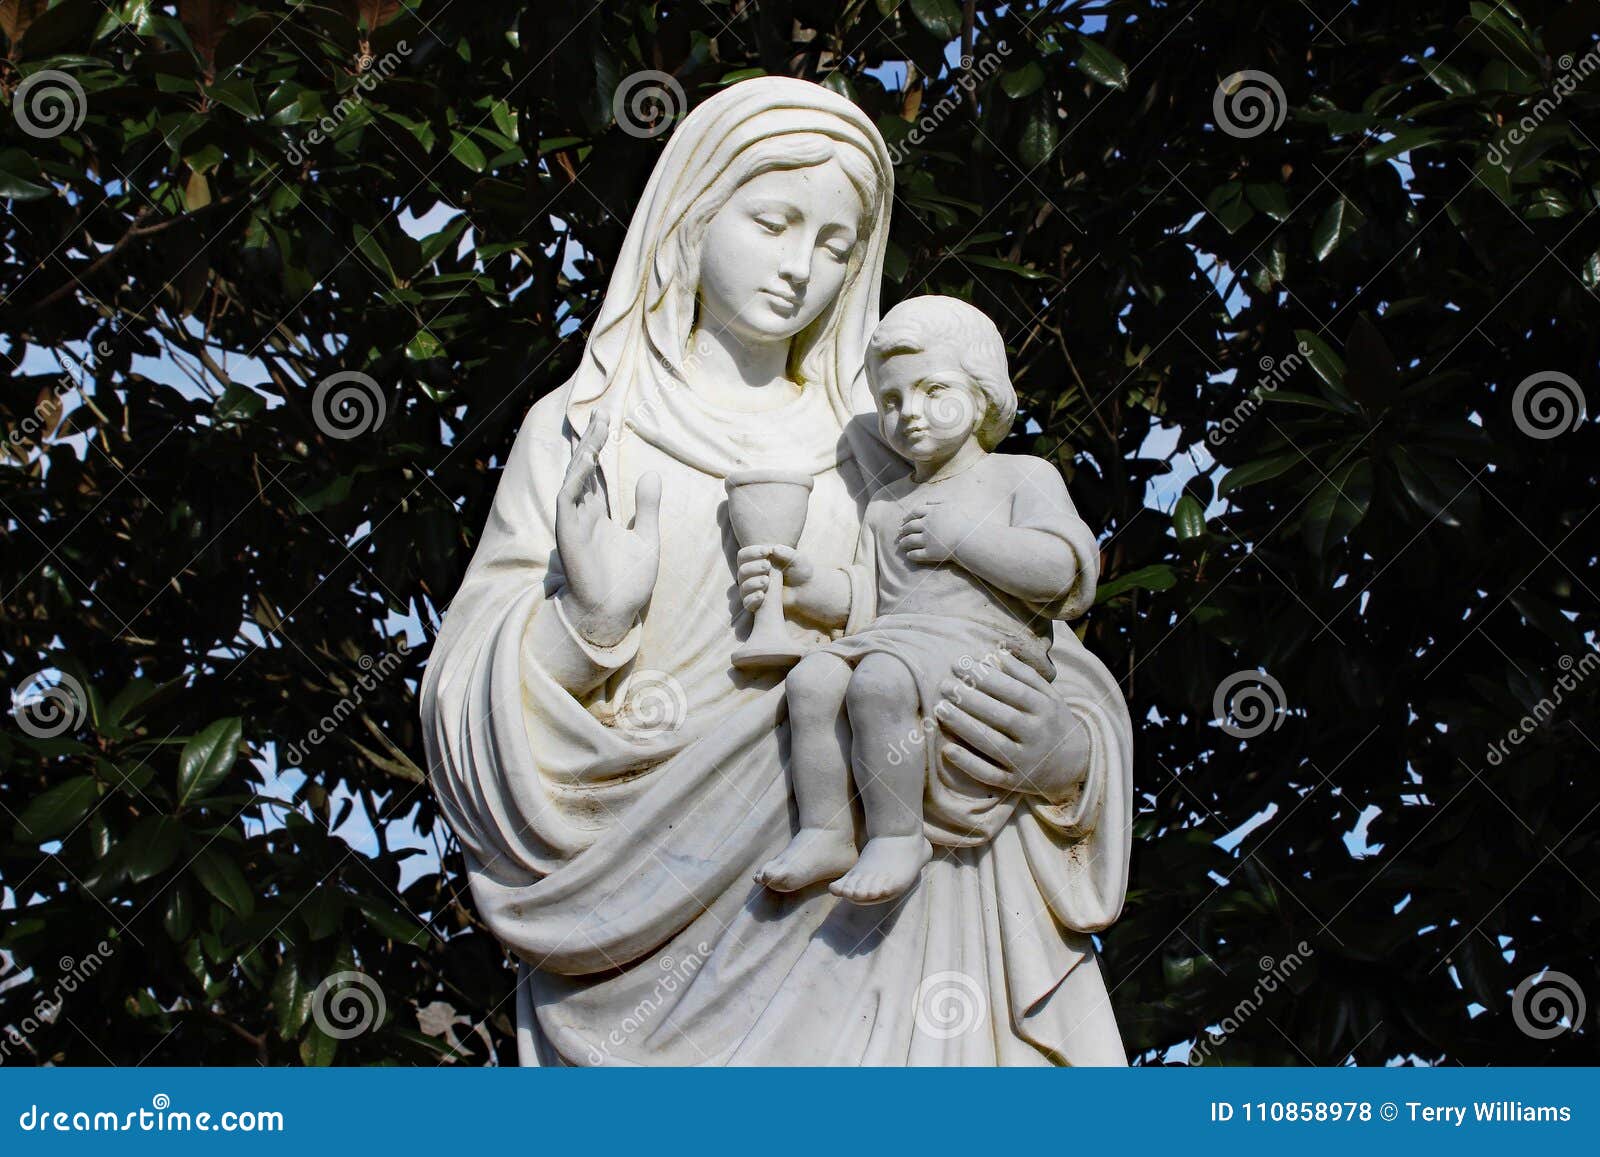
[[1014, 732]]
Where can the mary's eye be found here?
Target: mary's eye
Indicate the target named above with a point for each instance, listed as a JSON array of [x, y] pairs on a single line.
[[771, 224], [839, 252]]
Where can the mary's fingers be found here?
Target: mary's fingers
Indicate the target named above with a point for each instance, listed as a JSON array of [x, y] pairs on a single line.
[[1023, 673], [986, 708], [594, 434], [999, 681], [585, 464], [647, 507], [974, 766], [973, 732], [754, 567]]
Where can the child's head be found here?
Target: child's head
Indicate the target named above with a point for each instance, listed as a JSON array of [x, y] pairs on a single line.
[[937, 369]]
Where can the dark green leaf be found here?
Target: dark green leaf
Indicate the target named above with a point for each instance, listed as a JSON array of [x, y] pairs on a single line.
[[207, 759], [55, 812]]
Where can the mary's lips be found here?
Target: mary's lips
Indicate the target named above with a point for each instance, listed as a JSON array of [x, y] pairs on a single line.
[[787, 299]]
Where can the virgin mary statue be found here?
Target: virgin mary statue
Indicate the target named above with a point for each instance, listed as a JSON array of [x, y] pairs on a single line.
[[615, 782]]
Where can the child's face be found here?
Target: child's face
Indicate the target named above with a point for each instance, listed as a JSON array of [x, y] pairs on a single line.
[[926, 409]]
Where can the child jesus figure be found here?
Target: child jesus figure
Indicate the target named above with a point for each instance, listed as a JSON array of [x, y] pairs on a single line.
[[964, 560]]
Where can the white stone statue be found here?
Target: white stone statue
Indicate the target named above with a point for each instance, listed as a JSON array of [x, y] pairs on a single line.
[[608, 735]]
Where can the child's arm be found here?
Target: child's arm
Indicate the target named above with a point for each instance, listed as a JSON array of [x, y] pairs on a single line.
[[1035, 564], [821, 594], [830, 597]]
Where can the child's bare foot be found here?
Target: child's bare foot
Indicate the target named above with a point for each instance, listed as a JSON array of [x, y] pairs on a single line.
[[813, 855], [888, 867]]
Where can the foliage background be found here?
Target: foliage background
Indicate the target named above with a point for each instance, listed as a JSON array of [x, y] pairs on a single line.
[[184, 541]]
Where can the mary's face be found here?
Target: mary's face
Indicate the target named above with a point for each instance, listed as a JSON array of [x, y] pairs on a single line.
[[777, 253]]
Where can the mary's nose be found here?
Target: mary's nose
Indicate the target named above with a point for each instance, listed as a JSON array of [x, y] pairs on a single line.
[[795, 266]]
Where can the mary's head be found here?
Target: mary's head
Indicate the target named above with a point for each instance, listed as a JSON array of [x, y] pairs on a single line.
[[776, 241], [766, 217]]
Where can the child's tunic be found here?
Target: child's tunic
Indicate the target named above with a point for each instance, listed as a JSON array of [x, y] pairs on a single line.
[[946, 624]]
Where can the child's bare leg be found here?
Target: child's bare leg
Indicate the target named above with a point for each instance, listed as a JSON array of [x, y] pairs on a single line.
[[819, 760], [889, 770]]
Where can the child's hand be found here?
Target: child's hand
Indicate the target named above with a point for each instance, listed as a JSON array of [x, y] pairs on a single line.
[[823, 596], [933, 532], [756, 564]]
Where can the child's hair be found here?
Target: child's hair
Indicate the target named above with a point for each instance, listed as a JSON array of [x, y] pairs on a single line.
[[948, 327]]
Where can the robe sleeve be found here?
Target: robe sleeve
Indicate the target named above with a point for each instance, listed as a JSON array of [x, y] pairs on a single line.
[[512, 744], [1078, 848], [552, 642]]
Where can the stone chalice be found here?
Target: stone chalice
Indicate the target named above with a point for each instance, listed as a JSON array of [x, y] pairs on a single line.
[[768, 506]]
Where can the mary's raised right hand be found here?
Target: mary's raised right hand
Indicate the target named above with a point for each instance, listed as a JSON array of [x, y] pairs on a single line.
[[610, 569]]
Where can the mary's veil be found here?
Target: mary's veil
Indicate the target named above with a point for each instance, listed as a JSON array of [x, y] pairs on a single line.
[[644, 327]]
